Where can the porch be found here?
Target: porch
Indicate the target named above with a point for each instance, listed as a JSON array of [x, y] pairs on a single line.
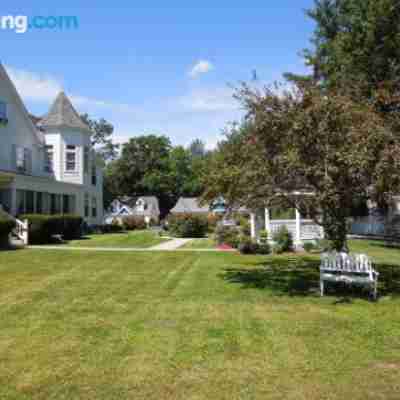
[[301, 229]]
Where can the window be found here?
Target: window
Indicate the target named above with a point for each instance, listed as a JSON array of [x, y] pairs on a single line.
[[55, 203], [94, 175], [21, 159], [39, 203], [86, 205], [3, 112], [29, 202], [70, 164], [66, 204], [94, 207], [86, 159], [49, 159]]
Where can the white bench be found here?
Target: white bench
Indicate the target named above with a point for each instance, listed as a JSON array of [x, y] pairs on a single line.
[[354, 269]]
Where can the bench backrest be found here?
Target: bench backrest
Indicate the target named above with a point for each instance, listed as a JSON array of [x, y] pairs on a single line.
[[343, 262]]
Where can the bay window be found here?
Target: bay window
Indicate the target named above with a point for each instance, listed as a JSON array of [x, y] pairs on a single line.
[[70, 159]]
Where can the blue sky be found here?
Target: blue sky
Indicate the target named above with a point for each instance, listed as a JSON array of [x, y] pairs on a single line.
[[155, 67]]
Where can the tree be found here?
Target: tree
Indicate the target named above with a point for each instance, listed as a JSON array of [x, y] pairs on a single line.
[[102, 137], [307, 150], [356, 48]]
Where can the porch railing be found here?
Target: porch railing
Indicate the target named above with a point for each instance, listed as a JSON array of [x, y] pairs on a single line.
[[21, 230], [309, 230]]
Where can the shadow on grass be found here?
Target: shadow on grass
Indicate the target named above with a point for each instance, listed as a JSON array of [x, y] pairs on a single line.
[[296, 276]]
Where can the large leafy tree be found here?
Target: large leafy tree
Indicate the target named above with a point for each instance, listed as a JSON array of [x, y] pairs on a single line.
[[356, 48], [150, 165], [317, 153], [102, 141]]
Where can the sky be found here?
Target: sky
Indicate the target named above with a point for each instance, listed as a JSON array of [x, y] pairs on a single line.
[[155, 67]]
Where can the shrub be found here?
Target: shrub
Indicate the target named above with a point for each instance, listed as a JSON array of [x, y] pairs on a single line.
[[188, 225], [324, 245], [42, 228], [309, 246], [113, 228], [132, 222], [6, 226], [212, 221], [229, 235], [283, 239], [247, 245], [244, 225]]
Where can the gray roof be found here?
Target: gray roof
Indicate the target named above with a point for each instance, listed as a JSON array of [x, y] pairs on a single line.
[[63, 114], [189, 205], [151, 202]]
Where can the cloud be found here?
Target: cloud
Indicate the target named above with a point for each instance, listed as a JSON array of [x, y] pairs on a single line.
[[32, 86], [209, 100], [201, 67], [45, 88]]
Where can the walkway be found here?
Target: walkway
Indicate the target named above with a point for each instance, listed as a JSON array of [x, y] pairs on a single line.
[[171, 244]]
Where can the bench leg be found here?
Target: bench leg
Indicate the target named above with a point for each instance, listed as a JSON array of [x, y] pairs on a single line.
[[375, 290], [321, 285]]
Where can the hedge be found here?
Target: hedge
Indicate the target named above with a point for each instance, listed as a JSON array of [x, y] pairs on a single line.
[[6, 226], [42, 228], [188, 225]]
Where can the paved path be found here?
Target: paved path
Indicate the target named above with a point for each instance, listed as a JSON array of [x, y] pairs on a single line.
[[171, 244]]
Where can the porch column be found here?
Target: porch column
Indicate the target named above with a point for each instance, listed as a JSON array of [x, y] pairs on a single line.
[[267, 221], [253, 225], [298, 227]]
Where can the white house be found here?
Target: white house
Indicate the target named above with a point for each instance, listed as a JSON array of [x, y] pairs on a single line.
[[143, 206], [49, 168]]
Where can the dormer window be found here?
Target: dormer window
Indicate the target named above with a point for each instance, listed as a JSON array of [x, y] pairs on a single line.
[[3, 113], [23, 160], [70, 159]]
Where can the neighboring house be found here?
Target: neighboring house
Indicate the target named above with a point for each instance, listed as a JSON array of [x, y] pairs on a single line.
[[144, 206], [189, 205], [48, 167]]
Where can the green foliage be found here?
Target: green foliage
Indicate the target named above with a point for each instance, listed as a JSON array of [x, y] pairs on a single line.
[[263, 236], [42, 228], [339, 150], [247, 245], [309, 246], [132, 222], [212, 221], [111, 228], [150, 165], [188, 225], [283, 239], [6, 226], [229, 235], [102, 132]]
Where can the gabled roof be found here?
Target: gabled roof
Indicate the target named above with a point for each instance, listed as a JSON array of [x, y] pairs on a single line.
[[20, 103], [151, 202], [62, 114], [189, 205]]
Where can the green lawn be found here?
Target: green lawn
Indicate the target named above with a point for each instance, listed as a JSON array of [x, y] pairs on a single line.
[[205, 243], [80, 325], [134, 239]]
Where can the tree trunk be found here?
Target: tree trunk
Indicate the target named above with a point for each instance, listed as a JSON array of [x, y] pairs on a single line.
[[336, 231]]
